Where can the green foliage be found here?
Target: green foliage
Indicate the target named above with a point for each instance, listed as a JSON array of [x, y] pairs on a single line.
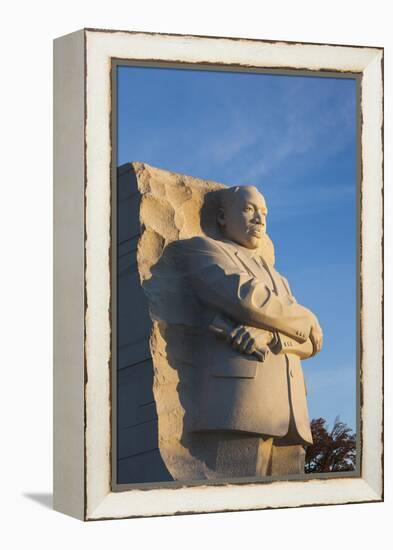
[[333, 451]]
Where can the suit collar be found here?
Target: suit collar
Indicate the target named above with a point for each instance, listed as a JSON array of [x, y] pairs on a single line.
[[257, 267], [245, 256]]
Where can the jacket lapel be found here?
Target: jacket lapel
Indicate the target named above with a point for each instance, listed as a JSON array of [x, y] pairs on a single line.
[[247, 261], [259, 269], [256, 267]]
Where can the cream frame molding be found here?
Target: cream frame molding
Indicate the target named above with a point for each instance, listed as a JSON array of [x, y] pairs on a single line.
[[82, 257]]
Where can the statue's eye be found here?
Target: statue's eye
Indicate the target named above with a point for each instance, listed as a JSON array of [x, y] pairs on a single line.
[[248, 209]]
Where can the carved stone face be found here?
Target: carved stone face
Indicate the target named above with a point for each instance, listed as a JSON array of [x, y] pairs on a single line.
[[242, 217]]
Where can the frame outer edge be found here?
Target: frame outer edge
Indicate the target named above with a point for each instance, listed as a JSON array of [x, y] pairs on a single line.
[[372, 273], [69, 278]]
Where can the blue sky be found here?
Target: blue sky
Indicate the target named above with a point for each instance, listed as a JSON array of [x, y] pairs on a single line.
[[294, 137]]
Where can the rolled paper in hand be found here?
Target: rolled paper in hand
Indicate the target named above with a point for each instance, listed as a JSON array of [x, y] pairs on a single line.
[[222, 327]]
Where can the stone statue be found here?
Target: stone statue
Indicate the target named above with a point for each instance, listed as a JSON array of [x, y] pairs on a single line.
[[227, 342], [251, 390]]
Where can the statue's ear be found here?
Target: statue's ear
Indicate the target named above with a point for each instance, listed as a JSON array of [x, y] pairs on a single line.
[[221, 217]]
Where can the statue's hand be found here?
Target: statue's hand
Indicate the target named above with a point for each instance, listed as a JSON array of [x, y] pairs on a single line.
[[316, 336], [251, 340]]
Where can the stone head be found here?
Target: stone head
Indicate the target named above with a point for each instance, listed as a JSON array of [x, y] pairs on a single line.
[[241, 215]]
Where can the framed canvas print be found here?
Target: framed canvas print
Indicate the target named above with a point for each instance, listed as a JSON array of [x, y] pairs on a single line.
[[218, 274]]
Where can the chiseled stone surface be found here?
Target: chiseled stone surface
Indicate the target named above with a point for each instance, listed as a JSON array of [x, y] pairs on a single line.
[[227, 334]]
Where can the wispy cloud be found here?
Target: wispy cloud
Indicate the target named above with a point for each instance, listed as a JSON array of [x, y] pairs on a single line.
[[303, 128], [240, 129]]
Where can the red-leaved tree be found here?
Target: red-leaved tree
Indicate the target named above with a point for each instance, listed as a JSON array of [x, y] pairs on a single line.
[[332, 451]]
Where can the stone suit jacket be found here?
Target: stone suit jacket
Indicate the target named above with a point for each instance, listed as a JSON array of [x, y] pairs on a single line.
[[234, 391]]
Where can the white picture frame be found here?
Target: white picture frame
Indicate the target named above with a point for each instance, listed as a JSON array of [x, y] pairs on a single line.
[[82, 246]]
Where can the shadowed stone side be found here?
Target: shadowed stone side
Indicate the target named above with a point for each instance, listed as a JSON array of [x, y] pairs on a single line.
[[138, 457]]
